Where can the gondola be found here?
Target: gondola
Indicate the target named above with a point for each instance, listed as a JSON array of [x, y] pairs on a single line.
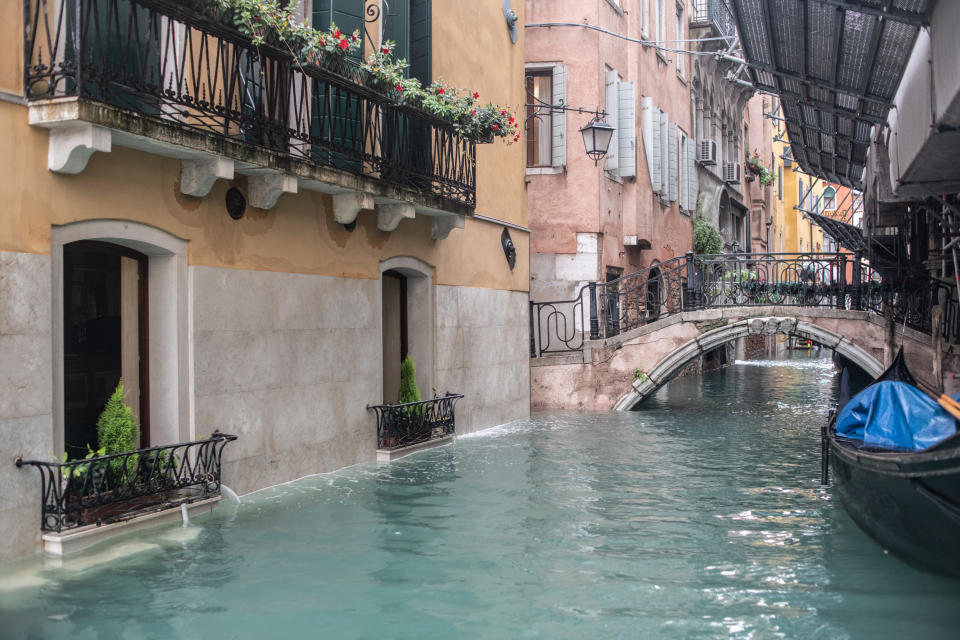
[[907, 501]]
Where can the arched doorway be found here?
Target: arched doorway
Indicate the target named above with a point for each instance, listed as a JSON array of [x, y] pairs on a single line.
[[407, 308], [104, 338], [653, 294]]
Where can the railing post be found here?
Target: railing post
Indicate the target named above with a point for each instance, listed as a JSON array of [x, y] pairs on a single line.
[[533, 336], [690, 300], [856, 298], [842, 281], [594, 318]]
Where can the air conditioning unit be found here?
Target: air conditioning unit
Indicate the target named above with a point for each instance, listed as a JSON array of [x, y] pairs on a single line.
[[731, 172], [707, 152]]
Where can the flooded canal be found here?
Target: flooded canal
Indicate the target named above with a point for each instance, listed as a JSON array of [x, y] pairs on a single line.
[[698, 516]]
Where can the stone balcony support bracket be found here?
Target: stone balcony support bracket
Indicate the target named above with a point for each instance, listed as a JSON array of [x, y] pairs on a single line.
[[265, 189], [443, 225], [390, 214], [347, 206], [198, 176], [71, 146]]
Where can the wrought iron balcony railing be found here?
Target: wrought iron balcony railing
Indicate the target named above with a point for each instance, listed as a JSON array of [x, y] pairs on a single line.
[[691, 282], [177, 62], [713, 13], [105, 489], [402, 425]]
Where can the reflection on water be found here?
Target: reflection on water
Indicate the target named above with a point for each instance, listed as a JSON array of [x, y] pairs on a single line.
[[698, 516]]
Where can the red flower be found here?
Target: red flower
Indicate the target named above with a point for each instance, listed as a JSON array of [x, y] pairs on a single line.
[[440, 91], [474, 112], [336, 34], [399, 88], [503, 112], [475, 95], [511, 120], [495, 128], [385, 51], [344, 44], [354, 37]]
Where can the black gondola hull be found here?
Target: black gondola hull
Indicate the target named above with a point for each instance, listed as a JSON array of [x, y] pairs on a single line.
[[908, 502]]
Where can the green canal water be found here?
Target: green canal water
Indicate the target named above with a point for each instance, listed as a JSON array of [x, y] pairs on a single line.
[[699, 516]]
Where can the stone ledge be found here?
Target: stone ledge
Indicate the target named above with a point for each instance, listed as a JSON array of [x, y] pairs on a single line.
[[564, 359], [389, 455], [81, 538]]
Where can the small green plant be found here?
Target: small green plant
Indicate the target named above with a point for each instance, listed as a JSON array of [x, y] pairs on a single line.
[[408, 382], [79, 469], [755, 166], [638, 374], [117, 429], [706, 238]]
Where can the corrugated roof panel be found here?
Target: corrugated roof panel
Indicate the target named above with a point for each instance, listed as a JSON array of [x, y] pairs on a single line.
[[787, 39], [875, 109], [889, 64], [847, 101], [828, 121], [857, 32], [765, 79], [791, 85], [821, 95], [844, 126], [790, 109], [810, 116], [822, 34], [914, 6], [753, 35], [843, 147], [862, 133], [841, 167], [859, 154], [826, 142]]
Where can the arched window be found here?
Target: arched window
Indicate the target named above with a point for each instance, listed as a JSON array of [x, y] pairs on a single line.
[[829, 199]]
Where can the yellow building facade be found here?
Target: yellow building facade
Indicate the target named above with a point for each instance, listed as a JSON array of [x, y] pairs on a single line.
[[257, 264]]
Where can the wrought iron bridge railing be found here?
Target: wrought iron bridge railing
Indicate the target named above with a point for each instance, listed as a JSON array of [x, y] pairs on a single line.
[[181, 63], [691, 282], [402, 425], [104, 489]]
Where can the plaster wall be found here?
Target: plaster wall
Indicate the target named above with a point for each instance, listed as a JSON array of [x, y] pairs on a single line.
[[584, 198]]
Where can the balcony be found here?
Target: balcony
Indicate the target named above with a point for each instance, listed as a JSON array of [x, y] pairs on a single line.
[[713, 14], [173, 78], [403, 428], [80, 496]]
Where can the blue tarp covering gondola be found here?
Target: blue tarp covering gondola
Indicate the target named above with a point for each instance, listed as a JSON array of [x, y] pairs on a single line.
[[895, 415]]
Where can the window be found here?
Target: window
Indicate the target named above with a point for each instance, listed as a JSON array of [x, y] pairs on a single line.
[[645, 18], [660, 24], [539, 118], [829, 199], [546, 132], [780, 182], [679, 44]]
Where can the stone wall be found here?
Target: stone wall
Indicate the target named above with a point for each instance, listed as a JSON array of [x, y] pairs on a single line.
[[26, 397]]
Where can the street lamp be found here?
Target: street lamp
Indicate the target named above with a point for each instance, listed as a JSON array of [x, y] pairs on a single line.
[[596, 134], [596, 138]]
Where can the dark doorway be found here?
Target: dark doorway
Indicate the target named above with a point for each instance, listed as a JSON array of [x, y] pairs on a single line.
[[396, 340], [105, 338], [611, 301], [653, 295]]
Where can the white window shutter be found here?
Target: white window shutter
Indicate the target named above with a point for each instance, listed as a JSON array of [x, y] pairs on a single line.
[[672, 160], [664, 154], [559, 133], [627, 131], [613, 118], [655, 155]]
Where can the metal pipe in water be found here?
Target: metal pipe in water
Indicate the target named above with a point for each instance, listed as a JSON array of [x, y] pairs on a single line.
[[186, 516]]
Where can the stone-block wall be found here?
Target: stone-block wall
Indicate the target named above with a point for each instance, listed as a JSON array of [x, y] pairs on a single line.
[[26, 395], [288, 362], [483, 352]]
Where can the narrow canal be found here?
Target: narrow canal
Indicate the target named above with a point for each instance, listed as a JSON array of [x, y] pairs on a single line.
[[699, 516]]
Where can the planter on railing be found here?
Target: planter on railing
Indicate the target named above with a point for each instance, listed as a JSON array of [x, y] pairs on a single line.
[[402, 425], [115, 487]]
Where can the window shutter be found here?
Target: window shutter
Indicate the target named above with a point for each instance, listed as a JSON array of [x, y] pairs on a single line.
[[672, 160], [664, 154], [420, 49], [627, 131], [656, 176], [650, 128], [612, 102], [691, 175], [559, 133]]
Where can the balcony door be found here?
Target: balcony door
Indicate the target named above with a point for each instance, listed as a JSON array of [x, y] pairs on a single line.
[[105, 337]]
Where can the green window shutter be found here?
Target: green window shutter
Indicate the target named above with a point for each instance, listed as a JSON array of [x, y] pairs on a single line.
[[321, 14], [396, 20], [420, 50]]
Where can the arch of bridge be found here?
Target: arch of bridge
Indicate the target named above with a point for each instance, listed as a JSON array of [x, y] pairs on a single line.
[[668, 366]]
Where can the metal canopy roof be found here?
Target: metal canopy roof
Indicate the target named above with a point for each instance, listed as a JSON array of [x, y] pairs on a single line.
[[836, 65], [845, 235]]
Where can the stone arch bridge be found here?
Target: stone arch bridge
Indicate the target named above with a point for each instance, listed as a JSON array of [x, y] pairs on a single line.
[[573, 371]]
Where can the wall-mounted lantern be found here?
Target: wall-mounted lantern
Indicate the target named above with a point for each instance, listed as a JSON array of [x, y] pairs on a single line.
[[596, 134]]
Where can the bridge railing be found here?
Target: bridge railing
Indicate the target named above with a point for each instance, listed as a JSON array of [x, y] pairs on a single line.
[[691, 282]]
